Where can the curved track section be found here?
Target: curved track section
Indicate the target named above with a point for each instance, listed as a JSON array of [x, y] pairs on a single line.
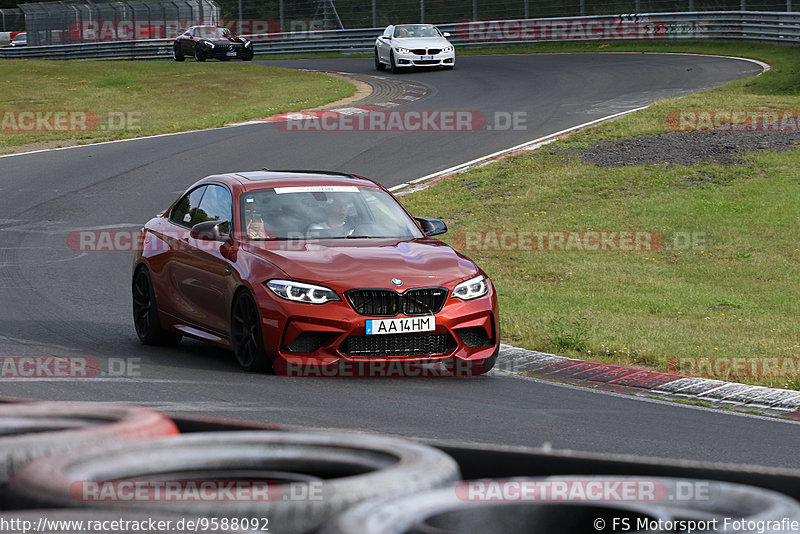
[[57, 301]]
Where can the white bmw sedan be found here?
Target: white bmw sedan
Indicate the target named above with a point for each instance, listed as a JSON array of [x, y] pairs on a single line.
[[413, 45]]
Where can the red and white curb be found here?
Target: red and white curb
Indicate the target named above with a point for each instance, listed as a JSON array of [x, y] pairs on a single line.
[[411, 92], [669, 386]]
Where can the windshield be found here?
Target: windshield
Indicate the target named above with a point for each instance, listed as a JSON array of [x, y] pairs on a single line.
[[416, 30], [212, 32], [324, 212]]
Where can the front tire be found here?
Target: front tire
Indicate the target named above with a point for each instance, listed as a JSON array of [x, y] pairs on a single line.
[[378, 65], [246, 336], [198, 54], [145, 312], [394, 67], [177, 54]]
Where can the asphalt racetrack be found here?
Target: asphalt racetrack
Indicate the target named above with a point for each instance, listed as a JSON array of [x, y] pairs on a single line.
[[59, 301]]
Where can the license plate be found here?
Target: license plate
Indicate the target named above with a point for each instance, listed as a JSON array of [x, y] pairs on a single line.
[[422, 58], [401, 325], [230, 54]]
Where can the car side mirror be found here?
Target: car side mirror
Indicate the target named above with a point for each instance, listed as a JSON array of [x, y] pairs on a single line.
[[446, 34], [211, 231], [431, 226]]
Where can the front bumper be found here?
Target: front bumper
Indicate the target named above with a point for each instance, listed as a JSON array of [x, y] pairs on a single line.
[[225, 52], [331, 340], [417, 60]]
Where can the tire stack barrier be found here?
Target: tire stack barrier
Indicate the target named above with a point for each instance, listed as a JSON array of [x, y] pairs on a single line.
[[450, 510], [33, 430], [343, 469], [338, 483]]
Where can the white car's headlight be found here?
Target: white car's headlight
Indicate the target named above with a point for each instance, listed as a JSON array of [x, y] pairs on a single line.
[[401, 50], [472, 288], [447, 49], [300, 292]]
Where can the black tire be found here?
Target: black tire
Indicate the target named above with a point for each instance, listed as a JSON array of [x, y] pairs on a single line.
[[247, 338], [394, 68], [332, 470], [451, 510], [145, 312], [198, 54], [36, 429], [177, 53], [378, 65]]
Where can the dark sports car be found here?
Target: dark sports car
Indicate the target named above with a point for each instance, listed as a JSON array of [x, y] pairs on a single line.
[[211, 42], [312, 273]]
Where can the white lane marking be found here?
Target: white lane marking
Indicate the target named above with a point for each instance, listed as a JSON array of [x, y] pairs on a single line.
[[528, 145]]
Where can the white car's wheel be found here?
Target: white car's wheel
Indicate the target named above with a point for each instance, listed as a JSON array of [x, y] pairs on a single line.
[[378, 64], [392, 63]]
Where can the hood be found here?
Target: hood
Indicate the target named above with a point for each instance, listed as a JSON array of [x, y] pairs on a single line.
[[224, 40], [366, 263], [420, 42]]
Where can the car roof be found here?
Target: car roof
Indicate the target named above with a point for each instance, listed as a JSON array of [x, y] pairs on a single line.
[[267, 179]]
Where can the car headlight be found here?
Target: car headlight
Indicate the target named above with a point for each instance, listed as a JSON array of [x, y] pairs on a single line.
[[300, 292], [208, 44], [403, 50], [447, 49], [472, 288], [248, 44]]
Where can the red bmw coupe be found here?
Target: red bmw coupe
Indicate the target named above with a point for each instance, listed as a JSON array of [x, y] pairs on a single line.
[[312, 273]]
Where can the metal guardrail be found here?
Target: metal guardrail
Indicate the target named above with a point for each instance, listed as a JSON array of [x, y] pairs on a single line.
[[746, 25]]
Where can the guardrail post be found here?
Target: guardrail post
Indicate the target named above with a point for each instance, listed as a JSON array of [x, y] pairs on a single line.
[[422, 11]]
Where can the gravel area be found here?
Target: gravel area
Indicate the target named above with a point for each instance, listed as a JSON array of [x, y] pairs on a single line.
[[686, 148]]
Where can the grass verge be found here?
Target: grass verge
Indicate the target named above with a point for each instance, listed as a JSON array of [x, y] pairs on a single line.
[[730, 293], [135, 98]]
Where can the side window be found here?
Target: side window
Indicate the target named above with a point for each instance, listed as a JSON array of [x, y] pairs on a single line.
[[388, 32], [184, 210], [216, 205]]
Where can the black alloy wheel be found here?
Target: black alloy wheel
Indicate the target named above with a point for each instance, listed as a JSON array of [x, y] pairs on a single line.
[[145, 313], [246, 336]]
